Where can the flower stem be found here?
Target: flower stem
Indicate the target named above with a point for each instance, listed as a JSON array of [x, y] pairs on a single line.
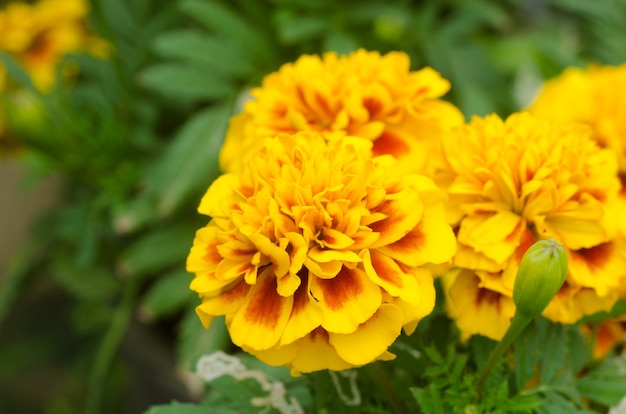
[[394, 399], [519, 322], [108, 349]]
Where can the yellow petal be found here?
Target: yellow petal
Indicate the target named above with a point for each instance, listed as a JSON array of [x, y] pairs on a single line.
[[478, 310], [278, 256], [204, 255], [226, 302], [402, 213], [261, 320], [386, 273], [315, 353], [221, 197], [431, 241], [334, 239], [496, 236], [346, 300], [306, 315], [326, 256], [371, 339]]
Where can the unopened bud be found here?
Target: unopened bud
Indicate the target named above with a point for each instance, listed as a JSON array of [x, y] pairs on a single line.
[[541, 274]]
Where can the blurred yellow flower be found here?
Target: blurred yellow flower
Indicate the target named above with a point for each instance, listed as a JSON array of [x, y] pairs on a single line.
[[595, 97], [606, 335], [39, 34], [362, 94], [316, 250], [524, 179]]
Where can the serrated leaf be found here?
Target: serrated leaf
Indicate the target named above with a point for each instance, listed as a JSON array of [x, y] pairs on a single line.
[[185, 82], [229, 25], [554, 350], [607, 383], [169, 294], [429, 400], [211, 53]]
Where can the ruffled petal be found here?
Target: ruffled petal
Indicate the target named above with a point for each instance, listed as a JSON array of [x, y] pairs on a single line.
[[306, 315], [261, 320], [378, 332], [403, 211], [347, 300], [385, 272], [226, 302], [431, 241]]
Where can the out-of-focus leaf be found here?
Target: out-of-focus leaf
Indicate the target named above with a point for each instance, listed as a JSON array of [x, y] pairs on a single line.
[[607, 383], [429, 400], [229, 25], [186, 408], [163, 247], [213, 54], [195, 341], [189, 165], [85, 283], [185, 82], [293, 29], [340, 42], [15, 71], [169, 294]]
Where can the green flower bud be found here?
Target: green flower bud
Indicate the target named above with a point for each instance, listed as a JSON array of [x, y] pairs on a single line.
[[541, 274]]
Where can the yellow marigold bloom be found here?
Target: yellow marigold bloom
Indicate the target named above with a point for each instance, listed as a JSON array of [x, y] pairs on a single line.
[[515, 181], [595, 97], [362, 94], [39, 34], [315, 252], [606, 335]]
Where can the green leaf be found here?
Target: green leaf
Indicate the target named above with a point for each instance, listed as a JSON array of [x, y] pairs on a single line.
[[195, 341], [169, 294], [293, 29], [554, 349], [212, 54], [429, 400], [185, 408], [607, 383], [189, 164], [229, 25], [16, 72], [86, 283], [185, 82], [163, 247]]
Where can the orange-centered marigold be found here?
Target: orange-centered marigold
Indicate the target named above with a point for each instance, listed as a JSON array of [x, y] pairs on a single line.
[[513, 182], [594, 96], [362, 94], [314, 252]]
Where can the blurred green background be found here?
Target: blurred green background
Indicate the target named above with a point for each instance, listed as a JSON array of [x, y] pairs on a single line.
[[95, 311]]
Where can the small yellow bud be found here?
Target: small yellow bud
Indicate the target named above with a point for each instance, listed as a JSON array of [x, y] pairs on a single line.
[[541, 274]]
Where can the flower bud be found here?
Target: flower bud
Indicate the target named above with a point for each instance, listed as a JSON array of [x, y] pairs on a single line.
[[541, 274]]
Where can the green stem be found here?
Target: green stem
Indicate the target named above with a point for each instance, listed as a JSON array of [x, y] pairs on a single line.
[[108, 349], [394, 399], [518, 324]]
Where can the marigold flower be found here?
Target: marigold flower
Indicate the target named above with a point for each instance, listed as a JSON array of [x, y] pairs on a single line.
[[316, 250], [525, 179], [39, 34], [606, 335], [592, 96], [362, 94]]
